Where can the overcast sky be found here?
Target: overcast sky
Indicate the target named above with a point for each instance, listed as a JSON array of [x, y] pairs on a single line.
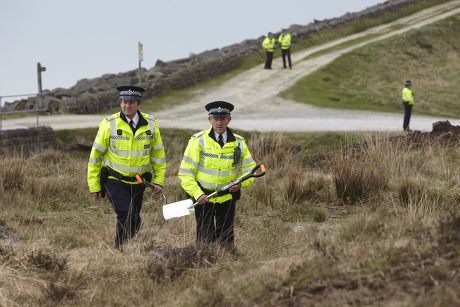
[[76, 39]]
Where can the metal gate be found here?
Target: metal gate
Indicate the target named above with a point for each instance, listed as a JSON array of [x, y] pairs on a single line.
[[40, 105]]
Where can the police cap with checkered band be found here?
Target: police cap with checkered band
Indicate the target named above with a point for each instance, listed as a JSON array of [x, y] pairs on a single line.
[[219, 108], [130, 92]]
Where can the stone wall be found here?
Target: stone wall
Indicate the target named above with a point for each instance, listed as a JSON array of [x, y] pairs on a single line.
[[99, 94], [26, 140]]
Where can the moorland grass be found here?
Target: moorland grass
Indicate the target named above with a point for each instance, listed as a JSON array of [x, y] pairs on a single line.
[[300, 242]]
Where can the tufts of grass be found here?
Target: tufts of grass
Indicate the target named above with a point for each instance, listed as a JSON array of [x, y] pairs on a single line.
[[363, 227], [68, 241], [13, 174], [273, 150], [357, 178], [319, 215], [304, 250], [46, 261], [170, 263], [63, 290]]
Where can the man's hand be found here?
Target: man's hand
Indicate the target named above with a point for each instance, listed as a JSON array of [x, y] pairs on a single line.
[[203, 199], [97, 195], [235, 188], [157, 190]]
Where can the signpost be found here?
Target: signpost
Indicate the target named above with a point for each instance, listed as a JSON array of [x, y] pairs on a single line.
[[38, 102], [40, 68], [140, 48], [38, 99]]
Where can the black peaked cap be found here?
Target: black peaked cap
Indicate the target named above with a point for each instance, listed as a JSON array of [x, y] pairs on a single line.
[[130, 92], [219, 108]]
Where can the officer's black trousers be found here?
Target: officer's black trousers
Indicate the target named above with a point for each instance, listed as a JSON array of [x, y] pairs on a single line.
[[126, 200], [286, 53], [214, 223], [268, 60], [407, 114]]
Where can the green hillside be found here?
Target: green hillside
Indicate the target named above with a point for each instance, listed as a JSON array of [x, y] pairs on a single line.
[[371, 77]]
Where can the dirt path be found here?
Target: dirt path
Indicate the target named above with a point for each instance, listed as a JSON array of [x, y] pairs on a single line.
[[255, 91]]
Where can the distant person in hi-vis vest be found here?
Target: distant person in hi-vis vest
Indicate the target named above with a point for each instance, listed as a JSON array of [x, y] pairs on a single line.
[[285, 42], [408, 102], [269, 45]]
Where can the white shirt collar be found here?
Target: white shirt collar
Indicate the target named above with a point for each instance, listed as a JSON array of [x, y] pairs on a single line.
[[224, 136], [135, 120]]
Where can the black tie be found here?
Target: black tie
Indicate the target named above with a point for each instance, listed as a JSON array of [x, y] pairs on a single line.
[[131, 123], [220, 140]]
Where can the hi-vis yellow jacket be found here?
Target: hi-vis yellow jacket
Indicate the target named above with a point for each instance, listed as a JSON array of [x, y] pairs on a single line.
[[285, 41], [408, 95], [206, 165], [115, 146], [269, 44]]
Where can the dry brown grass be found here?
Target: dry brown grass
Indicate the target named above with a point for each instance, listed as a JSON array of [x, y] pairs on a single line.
[[299, 244]]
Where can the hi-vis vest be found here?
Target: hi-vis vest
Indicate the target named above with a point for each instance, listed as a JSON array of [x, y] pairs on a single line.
[[115, 146], [269, 44], [408, 95], [285, 41], [205, 164]]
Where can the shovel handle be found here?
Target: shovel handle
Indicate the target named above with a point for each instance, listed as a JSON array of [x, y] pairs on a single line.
[[145, 183], [261, 173], [251, 174]]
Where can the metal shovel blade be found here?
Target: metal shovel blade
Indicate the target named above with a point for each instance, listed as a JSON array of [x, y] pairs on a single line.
[[178, 209]]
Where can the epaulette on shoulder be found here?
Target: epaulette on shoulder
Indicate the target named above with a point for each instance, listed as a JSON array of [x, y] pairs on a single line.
[[148, 116], [113, 116], [198, 134], [237, 136]]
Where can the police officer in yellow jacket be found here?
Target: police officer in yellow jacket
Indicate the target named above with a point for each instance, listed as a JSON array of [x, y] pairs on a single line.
[[127, 143], [212, 159], [269, 45], [285, 42], [408, 102]]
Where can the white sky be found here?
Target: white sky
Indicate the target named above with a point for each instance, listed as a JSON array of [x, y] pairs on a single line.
[[76, 39]]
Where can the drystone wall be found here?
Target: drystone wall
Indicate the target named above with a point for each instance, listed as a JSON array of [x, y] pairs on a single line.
[[26, 141]]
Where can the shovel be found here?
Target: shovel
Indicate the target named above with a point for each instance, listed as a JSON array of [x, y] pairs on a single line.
[[185, 207], [147, 184]]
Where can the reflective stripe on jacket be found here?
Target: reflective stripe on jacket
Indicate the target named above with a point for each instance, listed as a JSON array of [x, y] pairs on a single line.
[[408, 95], [115, 146], [205, 164], [285, 41], [269, 44]]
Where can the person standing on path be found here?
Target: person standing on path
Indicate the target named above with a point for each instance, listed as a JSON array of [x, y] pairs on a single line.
[[213, 158], [285, 42], [127, 144], [408, 102], [269, 45]]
